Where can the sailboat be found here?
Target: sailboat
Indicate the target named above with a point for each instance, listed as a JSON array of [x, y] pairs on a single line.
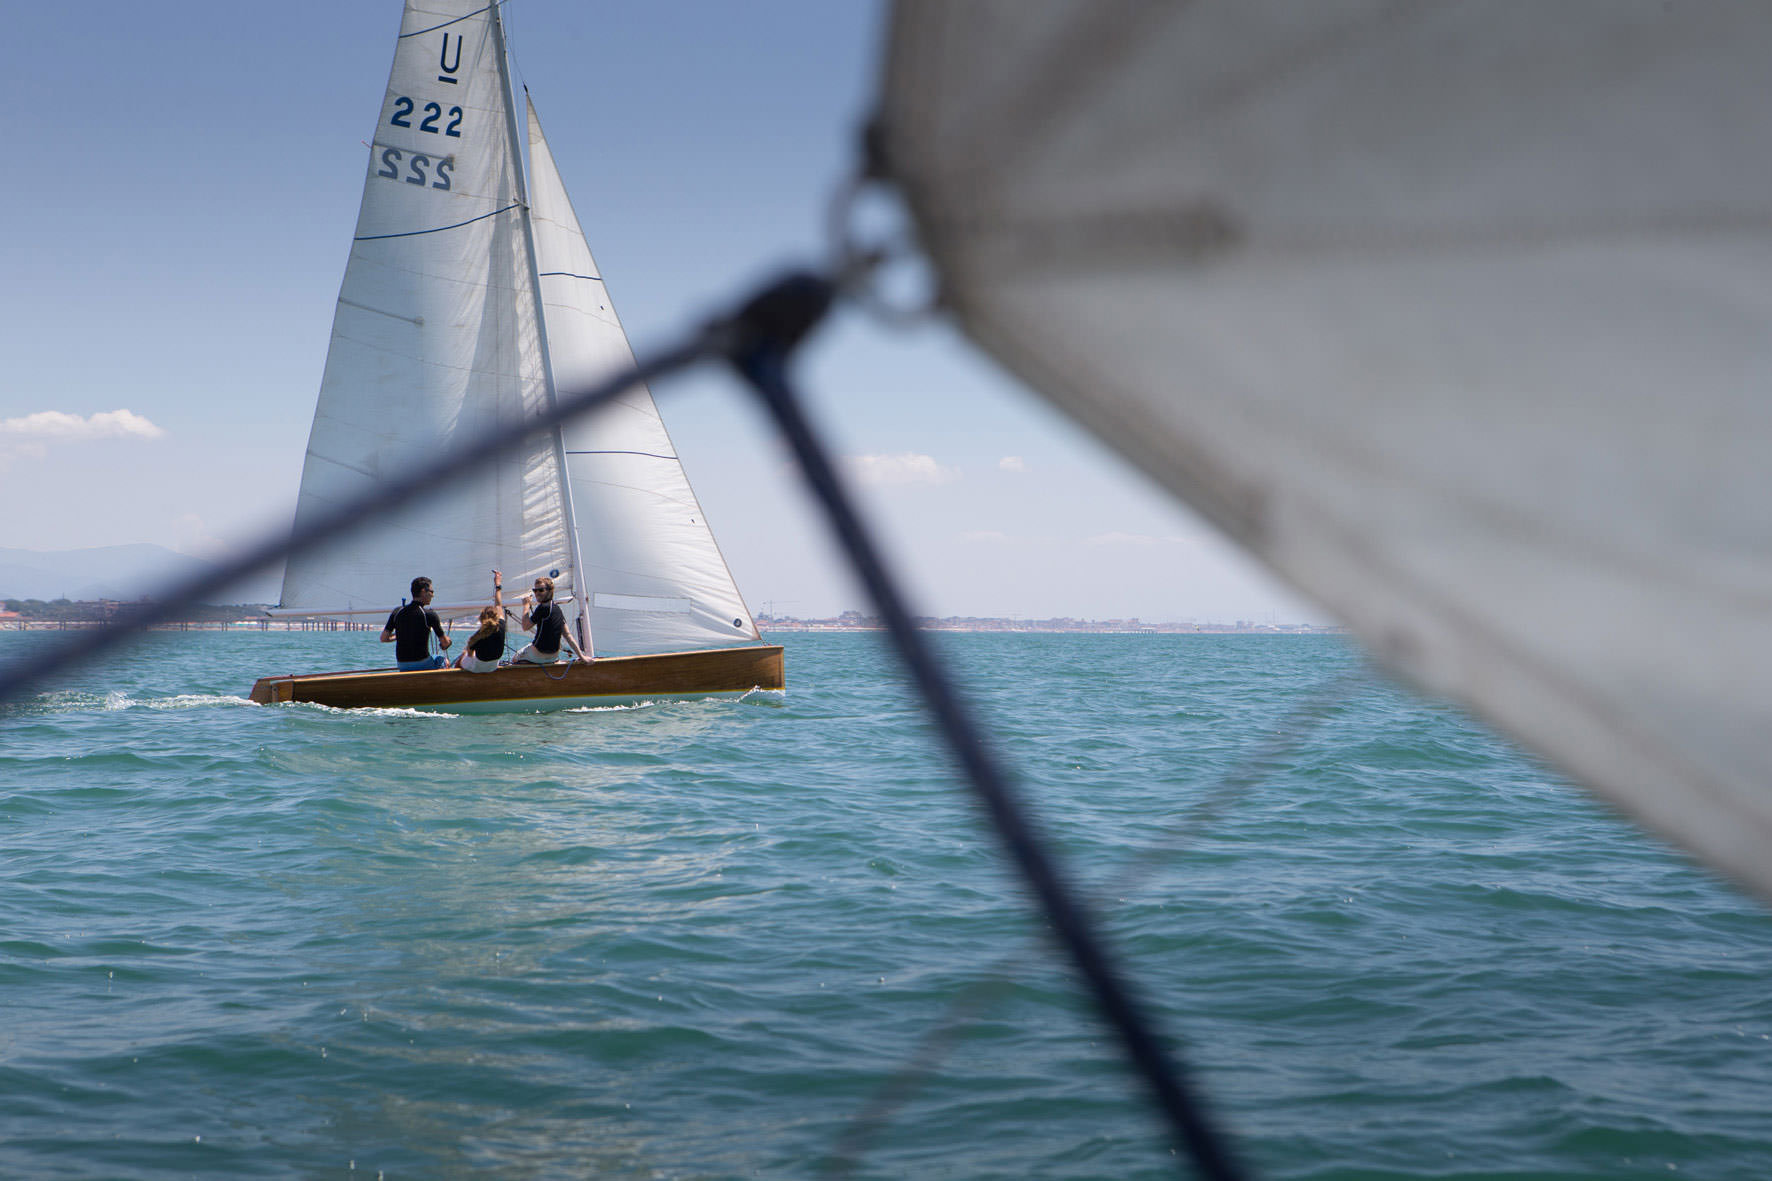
[[468, 301]]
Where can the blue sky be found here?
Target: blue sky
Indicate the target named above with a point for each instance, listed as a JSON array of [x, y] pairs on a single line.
[[178, 212]]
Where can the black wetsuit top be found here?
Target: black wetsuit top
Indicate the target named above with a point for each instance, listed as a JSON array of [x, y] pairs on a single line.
[[411, 625], [492, 647], [550, 624]]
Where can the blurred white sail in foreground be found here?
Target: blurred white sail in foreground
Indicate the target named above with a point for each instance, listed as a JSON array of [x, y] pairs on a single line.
[[1457, 314]]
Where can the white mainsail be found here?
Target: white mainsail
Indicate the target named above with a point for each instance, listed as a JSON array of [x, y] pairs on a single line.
[[1455, 313], [435, 339], [655, 576]]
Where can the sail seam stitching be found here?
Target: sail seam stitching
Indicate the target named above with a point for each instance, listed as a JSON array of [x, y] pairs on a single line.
[[447, 23], [438, 229]]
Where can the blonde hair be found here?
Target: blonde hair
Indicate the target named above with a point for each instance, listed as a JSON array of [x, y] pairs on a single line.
[[490, 618]]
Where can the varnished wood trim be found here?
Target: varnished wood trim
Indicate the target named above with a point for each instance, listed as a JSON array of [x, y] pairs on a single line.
[[719, 670]]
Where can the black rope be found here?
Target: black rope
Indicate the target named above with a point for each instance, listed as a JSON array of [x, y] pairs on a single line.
[[931, 1050], [764, 336], [21, 675]]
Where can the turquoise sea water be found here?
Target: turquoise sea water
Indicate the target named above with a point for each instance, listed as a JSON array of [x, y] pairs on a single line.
[[770, 938]]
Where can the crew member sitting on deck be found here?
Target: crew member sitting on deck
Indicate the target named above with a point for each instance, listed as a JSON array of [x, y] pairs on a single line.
[[480, 654], [409, 630], [548, 622]]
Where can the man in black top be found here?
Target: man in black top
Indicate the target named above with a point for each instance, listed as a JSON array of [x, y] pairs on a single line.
[[548, 622], [409, 630]]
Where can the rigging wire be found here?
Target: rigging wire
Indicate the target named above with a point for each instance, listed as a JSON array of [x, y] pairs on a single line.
[[1283, 739], [769, 330]]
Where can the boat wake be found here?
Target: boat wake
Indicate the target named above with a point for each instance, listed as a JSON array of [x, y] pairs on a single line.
[[185, 701], [372, 711], [118, 699], [622, 707]]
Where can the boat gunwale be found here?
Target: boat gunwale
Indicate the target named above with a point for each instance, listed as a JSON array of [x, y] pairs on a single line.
[[506, 683]]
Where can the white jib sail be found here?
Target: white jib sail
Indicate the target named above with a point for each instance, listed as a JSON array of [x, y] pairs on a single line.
[[435, 339], [654, 577], [1457, 314]]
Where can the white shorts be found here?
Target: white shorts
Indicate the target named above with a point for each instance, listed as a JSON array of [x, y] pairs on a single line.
[[530, 655], [473, 664]]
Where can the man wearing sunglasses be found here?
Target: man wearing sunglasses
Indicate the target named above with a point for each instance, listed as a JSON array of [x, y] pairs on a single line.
[[548, 621]]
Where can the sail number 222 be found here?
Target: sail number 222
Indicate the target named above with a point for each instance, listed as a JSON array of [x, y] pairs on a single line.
[[433, 114], [416, 168]]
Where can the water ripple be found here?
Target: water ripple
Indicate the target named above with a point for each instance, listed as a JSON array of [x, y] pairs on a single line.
[[701, 938]]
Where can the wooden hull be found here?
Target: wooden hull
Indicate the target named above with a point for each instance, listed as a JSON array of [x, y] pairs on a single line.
[[608, 680]]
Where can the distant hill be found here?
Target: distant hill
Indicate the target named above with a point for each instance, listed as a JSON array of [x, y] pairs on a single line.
[[116, 572]]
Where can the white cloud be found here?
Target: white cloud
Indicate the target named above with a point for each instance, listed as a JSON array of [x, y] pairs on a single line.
[[1012, 463], [195, 539], [57, 425], [907, 467], [28, 436]]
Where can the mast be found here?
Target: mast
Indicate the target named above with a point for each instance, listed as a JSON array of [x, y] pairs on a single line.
[[580, 591]]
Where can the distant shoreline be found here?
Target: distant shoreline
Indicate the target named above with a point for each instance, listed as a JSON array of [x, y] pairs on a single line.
[[1148, 629], [71, 615], [982, 627], [194, 625], [1058, 625]]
